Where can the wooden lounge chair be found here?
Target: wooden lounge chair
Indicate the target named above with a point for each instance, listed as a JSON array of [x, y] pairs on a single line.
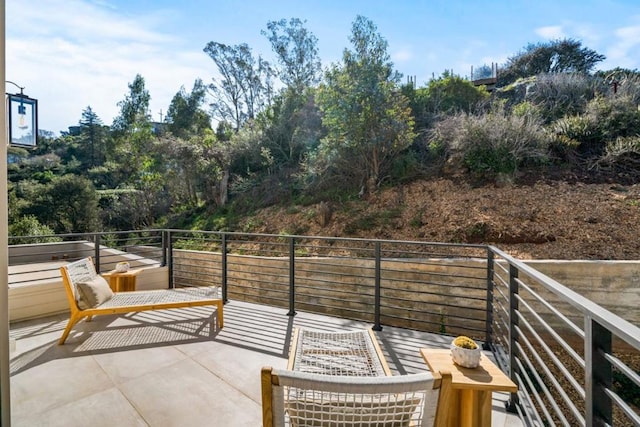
[[294, 398], [89, 295]]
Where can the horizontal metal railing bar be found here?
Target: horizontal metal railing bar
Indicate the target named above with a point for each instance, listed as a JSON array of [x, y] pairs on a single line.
[[556, 361], [415, 261], [498, 280], [499, 265], [540, 403], [430, 322], [448, 315], [618, 326], [553, 333], [446, 305], [552, 309], [388, 298], [552, 378], [342, 239], [621, 366], [233, 280], [436, 274], [503, 297], [309, 280], [628, 411], [430, 284], [343, 293], [337, 273]]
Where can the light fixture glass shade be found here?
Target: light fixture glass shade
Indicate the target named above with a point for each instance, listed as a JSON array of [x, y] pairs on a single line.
[[22, 120]]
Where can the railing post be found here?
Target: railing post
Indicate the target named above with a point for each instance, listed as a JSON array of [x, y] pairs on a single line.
[[376, 302], [170, 258], [224, 267], [96, 251], [514, 307], [164, 247], [292, 275], [488, 337], [598, 374]]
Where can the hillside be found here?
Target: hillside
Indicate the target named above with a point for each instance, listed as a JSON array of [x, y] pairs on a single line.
[[543, 219]]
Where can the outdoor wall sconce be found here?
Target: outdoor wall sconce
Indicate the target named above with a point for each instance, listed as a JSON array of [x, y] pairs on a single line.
[[23, 119]]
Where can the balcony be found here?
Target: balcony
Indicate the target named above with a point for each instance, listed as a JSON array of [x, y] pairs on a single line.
[[575, 362]]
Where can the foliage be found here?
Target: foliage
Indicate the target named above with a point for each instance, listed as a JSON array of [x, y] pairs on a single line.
[[450, 93], [368, 120], [492, 143], [30, 226], [134, 108], [293, 128], [557, 95], [67, 204], [557, 56], [297, 51], [604, 120], [245, 87], [185, 116]]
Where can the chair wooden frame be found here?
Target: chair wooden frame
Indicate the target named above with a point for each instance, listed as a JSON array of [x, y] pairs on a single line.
[[283, 389], [130, 302]]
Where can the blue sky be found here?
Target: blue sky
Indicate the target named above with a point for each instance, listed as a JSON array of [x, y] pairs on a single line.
[[70, 54]]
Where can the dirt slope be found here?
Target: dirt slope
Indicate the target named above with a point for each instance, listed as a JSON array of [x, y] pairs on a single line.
[[541, 220]]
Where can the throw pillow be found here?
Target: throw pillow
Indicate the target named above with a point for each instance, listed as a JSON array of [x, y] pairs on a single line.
[[94, 292]]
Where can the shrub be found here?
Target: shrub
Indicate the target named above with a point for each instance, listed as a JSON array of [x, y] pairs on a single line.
[[560, 94], [493, 143], [30, 226]]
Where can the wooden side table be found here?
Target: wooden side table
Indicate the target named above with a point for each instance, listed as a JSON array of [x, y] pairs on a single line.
[[122, 281], [465, 394]]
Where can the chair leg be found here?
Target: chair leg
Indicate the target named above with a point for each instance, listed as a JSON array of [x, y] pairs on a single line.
[[220, 315], [75, 318]]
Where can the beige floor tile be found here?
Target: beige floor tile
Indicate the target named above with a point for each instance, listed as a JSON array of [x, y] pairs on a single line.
[[187, 394], [123, 366], [104, 409], [54, 383]]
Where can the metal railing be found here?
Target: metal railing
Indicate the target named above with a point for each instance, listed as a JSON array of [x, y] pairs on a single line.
[[575, 363]]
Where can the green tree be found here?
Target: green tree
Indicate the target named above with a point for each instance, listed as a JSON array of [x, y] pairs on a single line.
[[30, 226], [297, 52], [94, 135], [67, 204], [134, 108], [185, 116], [368, 120], [244, 88], [558, 56]]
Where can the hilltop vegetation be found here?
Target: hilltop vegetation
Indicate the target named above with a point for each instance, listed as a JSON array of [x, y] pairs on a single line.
[[380, 158]]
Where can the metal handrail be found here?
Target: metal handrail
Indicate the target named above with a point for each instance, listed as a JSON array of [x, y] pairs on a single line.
[[484, 292]]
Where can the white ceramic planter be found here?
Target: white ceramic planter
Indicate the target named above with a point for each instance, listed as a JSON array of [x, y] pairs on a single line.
[[465, 357], [122, 267]]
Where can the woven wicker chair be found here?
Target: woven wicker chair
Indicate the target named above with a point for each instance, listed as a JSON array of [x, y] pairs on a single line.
[[296, 399], [77, 274]]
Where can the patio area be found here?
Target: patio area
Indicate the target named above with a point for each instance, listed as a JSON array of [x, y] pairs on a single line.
[[168, 368]]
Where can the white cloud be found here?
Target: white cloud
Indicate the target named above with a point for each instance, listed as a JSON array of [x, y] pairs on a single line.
[[551, 32], [71, 54], [402, 55], [624, 52]]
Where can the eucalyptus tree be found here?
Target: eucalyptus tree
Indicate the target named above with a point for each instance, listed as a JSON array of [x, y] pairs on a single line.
[[367, 118], [297, 51], [134, 109], [244, 87], [185, 115], [293, 121]]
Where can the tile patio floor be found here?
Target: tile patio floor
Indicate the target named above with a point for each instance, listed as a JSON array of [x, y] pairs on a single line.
[[168, 368]]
